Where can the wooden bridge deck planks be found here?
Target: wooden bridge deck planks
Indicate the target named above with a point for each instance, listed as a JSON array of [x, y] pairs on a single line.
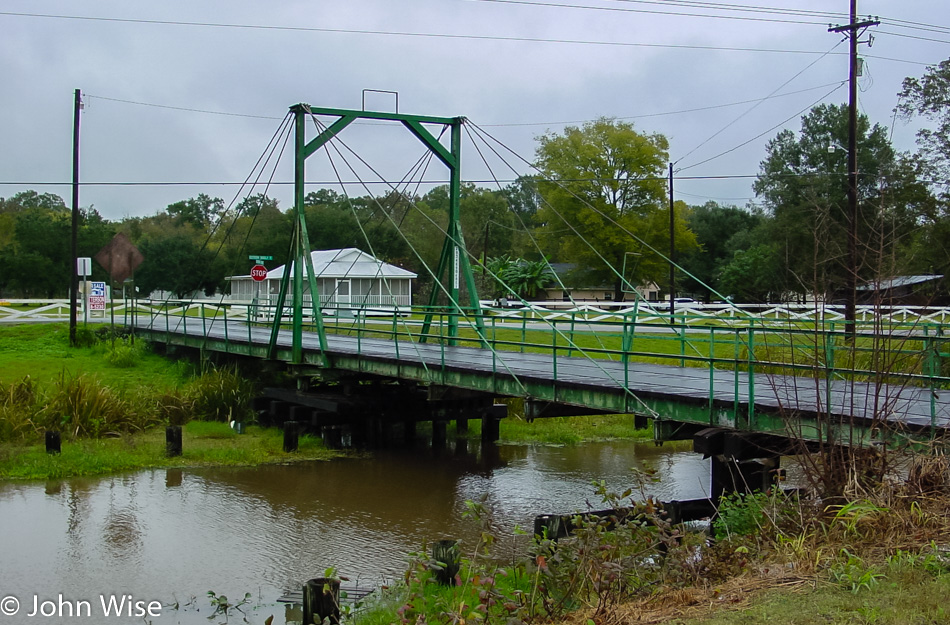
[[907, 405]]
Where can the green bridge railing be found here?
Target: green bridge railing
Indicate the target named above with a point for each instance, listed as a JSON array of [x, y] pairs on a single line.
[[903, 353]]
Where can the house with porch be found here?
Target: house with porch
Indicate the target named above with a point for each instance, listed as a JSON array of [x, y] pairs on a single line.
[[349, 281]]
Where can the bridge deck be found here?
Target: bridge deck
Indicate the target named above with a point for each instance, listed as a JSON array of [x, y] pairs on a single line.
[[690, 394]]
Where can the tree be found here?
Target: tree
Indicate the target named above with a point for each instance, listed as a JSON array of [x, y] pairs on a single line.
[[929, 97], [605, 188], [199, 211], [803, 184], [750, 275], [178, 257], [720, 232], [31, 199]]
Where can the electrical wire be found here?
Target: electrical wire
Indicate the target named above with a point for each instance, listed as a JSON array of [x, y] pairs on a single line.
[[762, 134], [394, 33], [757, 104]]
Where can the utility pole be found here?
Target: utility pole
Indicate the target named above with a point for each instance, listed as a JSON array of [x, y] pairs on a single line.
[[851, 271], [74, 236], [672, 253]]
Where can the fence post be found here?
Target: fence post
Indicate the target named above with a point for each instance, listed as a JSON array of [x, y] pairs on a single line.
[[173, 441], [291, 436], [53, 442], [321, 600]]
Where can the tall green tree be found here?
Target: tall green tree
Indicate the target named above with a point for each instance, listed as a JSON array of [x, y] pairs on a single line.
[[604, 188], [929, 97], [803, 184], [720, 232], [200, 212]]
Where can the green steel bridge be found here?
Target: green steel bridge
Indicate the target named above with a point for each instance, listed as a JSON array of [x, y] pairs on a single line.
[[862, 382], [765, 376]]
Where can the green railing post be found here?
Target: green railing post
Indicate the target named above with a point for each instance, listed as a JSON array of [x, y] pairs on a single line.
[[570, 343], [830, 348], [751, 374], [442, 343], [524, 329], [683, 341], [929, 365], [735, 376], [712, 362]]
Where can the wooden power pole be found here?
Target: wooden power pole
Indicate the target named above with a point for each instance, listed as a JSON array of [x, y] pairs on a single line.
[[74, 234], [851, 271]]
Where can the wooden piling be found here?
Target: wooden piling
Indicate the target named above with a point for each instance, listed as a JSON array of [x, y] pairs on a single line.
[[321, 600], [173, 441], [491, 429], [291, 436], [53, 442], [332, 436], [446, 554], [409, 431], [438, 435]]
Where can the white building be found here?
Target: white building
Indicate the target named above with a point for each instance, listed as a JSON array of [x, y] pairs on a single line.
[[348, 280]]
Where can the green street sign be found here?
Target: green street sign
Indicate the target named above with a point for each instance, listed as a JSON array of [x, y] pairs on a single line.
[[260, 258]]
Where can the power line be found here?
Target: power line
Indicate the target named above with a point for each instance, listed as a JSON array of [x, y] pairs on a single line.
[[762, 134], [181, 108], [651, 12], [679, 112], [753, 107], [402, 33], [917, 37]]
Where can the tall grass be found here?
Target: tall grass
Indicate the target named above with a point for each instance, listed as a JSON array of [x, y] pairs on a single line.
[[221, 394]]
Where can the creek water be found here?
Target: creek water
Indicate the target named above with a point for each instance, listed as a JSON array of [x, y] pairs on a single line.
[[170, 536]]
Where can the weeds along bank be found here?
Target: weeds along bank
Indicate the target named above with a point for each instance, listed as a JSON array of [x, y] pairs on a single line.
[[110, 399], [879, 558]]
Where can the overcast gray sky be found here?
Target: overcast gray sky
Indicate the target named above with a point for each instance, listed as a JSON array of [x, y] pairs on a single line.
[[687, 69]]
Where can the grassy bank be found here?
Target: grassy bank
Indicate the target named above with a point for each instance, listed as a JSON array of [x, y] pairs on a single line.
[[880, 558], [203, 444], [111, 400]]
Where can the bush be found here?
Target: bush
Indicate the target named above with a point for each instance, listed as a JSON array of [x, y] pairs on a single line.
[[81, 406], [125, 354], [17, 409], [741, 515], [221, 395]]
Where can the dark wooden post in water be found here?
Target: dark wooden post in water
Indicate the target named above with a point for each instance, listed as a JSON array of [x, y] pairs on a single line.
[[447, 554], [332, 436], [291, 436], [53, 442], [409, 431], [321, 600], [461, 425], [438, 434], [173, 441], [490, 429]]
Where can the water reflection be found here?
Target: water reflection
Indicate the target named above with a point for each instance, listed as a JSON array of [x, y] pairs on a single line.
[[171, 535]]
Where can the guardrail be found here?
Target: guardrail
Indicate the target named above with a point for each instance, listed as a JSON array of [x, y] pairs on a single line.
[[899, 353]]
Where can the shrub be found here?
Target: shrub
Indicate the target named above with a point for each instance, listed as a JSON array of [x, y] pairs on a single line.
[[125, 354], [221, 395], [81, 406]]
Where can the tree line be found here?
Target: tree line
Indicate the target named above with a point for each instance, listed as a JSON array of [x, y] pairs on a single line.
[[597, 204]]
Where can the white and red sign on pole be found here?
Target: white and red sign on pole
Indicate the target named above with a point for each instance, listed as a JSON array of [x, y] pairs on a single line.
[[259, 272]]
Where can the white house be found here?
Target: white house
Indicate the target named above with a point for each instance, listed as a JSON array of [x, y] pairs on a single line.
[[348, 280]]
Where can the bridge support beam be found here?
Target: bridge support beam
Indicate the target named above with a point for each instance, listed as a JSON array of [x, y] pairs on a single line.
[[742, 462]]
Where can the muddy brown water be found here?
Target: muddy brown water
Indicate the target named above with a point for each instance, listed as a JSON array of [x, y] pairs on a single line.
[[170, 536]]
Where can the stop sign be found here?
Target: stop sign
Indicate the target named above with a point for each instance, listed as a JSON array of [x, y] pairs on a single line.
[[258, 272]]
